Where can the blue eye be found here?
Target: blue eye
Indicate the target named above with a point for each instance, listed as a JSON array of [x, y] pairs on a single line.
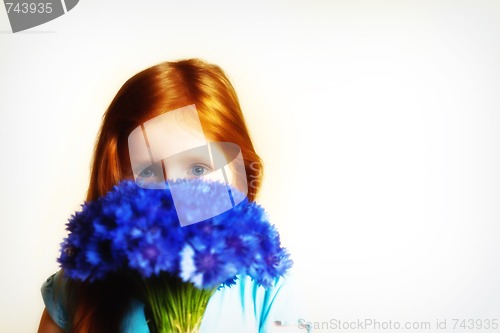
[[147, 173], [198, 170]]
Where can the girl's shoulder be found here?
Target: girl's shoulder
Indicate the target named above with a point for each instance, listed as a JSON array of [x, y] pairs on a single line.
[[53, 294]]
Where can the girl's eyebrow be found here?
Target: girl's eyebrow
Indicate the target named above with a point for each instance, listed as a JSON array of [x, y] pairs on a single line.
[[192, 156], [147, 164], [190, 159]]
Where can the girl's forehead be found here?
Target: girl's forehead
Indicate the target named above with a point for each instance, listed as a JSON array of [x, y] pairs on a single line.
[[166, 135]]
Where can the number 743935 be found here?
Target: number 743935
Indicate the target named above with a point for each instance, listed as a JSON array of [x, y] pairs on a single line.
[[29, 7], [471, 324]]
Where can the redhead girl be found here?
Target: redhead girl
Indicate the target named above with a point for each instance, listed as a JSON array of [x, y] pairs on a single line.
[[109, 305]]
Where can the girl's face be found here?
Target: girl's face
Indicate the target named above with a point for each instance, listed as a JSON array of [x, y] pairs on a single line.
[[173, 146]]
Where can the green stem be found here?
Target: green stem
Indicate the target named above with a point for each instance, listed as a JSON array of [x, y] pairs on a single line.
[[176, 306]]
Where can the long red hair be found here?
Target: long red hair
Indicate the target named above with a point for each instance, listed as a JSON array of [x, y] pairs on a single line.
[[156, 90], [153, 91]]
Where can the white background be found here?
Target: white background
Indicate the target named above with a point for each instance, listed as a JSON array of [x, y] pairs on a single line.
[[378, 122]]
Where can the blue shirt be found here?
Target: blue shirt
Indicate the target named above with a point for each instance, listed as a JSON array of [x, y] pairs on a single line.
[[244, 307]]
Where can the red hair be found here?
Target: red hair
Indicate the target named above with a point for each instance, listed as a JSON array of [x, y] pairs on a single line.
[[159, 89], [153, 91]]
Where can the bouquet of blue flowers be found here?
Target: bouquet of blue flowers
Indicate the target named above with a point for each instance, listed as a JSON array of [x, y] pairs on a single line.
[[136, 231]]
